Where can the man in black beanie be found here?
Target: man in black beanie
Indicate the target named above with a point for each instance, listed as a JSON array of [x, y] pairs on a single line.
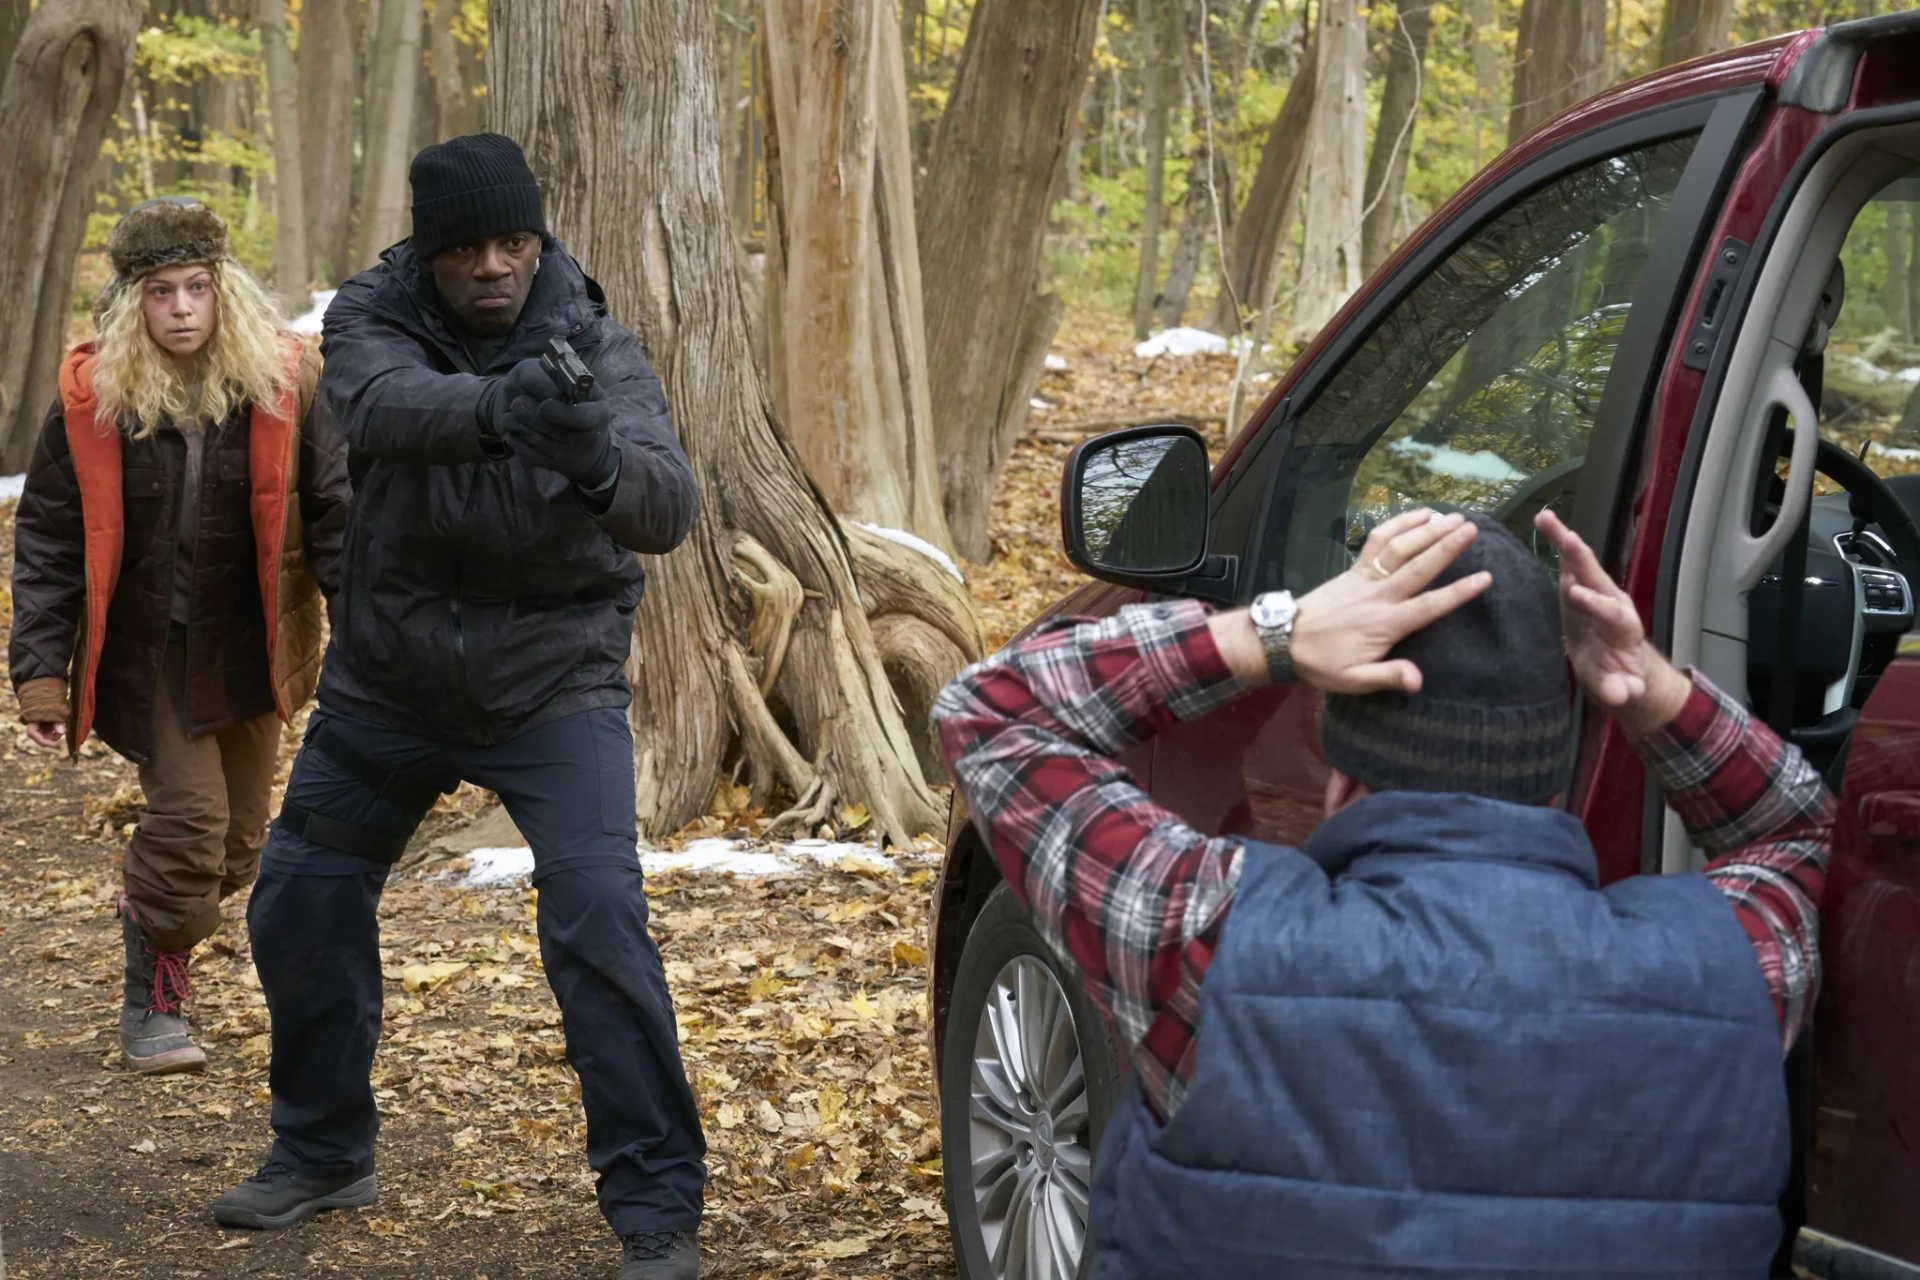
[[480, 634], [1425, 1042]]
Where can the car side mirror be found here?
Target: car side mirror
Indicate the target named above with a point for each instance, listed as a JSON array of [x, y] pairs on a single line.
[[1133, 505]]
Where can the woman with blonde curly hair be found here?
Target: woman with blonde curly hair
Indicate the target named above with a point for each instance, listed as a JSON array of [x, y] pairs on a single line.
[[182, 517]]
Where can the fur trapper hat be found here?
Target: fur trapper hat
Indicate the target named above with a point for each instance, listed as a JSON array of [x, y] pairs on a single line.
[[168, 231]]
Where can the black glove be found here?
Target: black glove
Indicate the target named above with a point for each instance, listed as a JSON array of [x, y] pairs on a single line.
[[575, 440], [525, 380]]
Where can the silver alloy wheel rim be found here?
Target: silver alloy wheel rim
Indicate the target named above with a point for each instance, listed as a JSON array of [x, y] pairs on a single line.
[[1030, 1138]]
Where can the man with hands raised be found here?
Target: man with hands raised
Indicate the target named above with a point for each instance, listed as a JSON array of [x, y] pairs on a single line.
[[1425, 1041], [480, 634]]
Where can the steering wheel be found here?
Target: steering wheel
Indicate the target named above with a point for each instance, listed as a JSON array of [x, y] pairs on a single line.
[[1870, 497]]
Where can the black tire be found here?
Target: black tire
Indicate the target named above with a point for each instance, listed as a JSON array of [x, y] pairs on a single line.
[[1001, 936]]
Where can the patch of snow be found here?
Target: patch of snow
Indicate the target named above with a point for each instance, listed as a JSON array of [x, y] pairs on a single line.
[[1056, 363], [1906, 375], [1867, 369], [1482, 466], [921, 545], [712, 856], [1896, 455], [1183, 341], [310, 322], [12, 486], [499, 866], [1035, 402], [723, 857]]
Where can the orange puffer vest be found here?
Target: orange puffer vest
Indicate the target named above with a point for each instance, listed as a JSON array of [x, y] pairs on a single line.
[[287, 592]]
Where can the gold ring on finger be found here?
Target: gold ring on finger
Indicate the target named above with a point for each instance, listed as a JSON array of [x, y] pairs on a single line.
[[1378, 570]]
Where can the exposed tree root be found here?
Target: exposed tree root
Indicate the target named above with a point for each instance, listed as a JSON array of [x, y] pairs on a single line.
[[919, 659], [777, 597]]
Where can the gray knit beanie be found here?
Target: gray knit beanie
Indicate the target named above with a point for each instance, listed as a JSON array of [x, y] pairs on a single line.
[[1494, 713]]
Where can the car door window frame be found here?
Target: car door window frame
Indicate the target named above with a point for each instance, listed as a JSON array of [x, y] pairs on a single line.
[[1720, 119]]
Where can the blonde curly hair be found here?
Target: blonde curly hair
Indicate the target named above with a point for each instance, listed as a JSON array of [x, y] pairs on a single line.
[[137, 384]]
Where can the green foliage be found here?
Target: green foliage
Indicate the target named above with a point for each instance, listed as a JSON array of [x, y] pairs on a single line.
[[187, 48]]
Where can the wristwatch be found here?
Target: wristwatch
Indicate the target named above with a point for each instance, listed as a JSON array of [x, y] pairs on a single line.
[[1272, 614]]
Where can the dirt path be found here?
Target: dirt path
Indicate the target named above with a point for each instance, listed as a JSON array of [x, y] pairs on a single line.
[[800, 1001]]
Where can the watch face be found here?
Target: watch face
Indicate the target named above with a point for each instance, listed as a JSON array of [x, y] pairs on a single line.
[[1272, 609]]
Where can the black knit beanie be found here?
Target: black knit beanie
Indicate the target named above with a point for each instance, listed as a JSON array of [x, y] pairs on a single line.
[[471, 187], [1494, 715]]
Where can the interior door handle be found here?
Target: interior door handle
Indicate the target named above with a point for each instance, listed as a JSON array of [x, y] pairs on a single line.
[[1752, 555]]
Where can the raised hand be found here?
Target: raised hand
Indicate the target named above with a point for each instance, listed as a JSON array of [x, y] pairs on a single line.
[[1606, 643], [1347, 625]]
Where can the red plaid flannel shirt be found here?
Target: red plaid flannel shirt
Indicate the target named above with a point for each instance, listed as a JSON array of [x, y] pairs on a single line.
[[1135, 898]]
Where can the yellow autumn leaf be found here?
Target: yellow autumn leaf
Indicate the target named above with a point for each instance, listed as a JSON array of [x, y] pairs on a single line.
[[851, 1247], [800, 1157], [766, 1117], [385, 1227], [854, 815], [728, 1116], [905, 952], [764, 985]]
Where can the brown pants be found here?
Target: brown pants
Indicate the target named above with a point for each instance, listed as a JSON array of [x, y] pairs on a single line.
[[206, 819]]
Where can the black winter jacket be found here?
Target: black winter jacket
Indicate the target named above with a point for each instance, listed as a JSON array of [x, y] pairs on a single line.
[[478, 596]]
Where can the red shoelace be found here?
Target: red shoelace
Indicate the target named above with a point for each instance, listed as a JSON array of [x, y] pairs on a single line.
[[171, 983]]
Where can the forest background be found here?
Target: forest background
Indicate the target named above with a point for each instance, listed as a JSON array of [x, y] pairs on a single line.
[[890, 219]]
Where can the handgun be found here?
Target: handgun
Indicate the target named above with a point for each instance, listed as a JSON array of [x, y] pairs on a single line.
[[568, 371]]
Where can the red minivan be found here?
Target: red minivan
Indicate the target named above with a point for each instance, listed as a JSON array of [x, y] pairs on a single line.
[[1684, 314]]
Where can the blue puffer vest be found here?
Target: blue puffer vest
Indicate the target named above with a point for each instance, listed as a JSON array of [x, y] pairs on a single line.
[[1428, 1047]]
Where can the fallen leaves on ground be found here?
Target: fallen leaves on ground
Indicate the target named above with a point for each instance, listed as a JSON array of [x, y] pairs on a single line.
[[801, 1011]]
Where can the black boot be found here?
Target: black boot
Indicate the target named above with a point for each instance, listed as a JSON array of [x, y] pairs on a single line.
[[660, 1255], [277, 1197], [153, 1031]]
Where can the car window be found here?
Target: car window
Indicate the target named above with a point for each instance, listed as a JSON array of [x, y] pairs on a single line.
[[1478, 391], [1870, 402]]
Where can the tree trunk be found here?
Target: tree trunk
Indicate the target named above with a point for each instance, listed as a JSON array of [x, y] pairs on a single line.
[[1693, 28], [1270, 207], [754, 642], [1484, 53], [985, 201], [1559, 57], [1330, 247], [1154, 94], [384, 206], [1393, 136], [846, 332], [61, 90], [1196, 225], [326, 133], [449, 83], [291, 272], [1899, 250]]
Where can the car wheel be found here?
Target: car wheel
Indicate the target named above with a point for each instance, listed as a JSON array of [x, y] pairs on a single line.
[[1027, 1080]]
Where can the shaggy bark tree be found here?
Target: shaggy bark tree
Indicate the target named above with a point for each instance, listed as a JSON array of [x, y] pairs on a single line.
[[1393, 136], [1559, 57], [984, 203], [1330, 245], [846, 328], [61, 90], [383, 215], [327, 131], [292, 271], [767, 639], [1694, 28], [1270, 206]]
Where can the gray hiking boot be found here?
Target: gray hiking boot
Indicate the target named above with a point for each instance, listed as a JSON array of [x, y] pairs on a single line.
[[660, 1255], [153, 1033], [278, 1196]]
